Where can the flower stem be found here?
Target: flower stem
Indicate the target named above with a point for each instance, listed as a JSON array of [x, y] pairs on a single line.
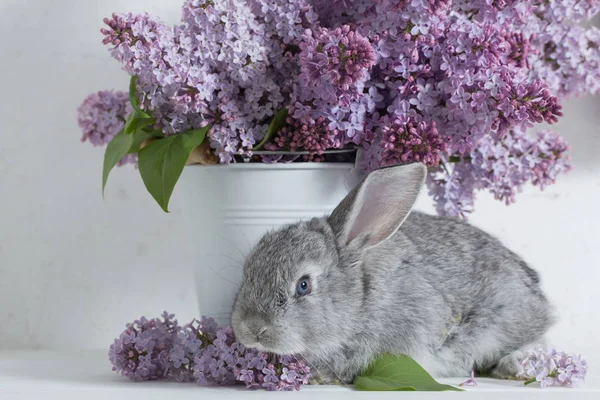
[[529, 381], [457, 159]]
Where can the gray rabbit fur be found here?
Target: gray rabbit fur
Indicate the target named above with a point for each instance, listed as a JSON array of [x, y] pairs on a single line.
[[387, 280]]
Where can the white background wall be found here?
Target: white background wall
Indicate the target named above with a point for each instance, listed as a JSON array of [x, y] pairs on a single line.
[[75, 268]]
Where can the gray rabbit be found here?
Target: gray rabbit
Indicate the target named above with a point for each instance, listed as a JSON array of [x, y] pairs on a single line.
[[374, 278]]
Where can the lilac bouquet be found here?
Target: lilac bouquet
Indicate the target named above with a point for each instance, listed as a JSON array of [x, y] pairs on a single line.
[[454, 84], [200, 352], [553, 368]]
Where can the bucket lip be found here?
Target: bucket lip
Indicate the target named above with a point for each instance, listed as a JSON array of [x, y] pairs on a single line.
[[276, 166]]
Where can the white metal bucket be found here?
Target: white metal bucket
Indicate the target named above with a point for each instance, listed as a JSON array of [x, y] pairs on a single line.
[[229, 208]]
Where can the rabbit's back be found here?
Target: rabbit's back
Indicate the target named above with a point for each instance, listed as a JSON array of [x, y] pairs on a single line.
[[462, 260], [454, 290]]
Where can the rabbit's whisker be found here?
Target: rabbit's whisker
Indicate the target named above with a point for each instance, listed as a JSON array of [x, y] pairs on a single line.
[[225, 256], [233, 245]]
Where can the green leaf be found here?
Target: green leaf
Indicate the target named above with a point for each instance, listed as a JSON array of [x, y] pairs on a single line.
[[193, 138], [161, 163], [137, 121], [276, 124], [140, 136], [118, 147], [132, 97], [397, 373]]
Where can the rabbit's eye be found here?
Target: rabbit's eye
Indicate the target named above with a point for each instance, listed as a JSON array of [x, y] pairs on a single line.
[[303, 286]]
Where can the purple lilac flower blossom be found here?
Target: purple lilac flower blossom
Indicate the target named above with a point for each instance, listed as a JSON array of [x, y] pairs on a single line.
[[340, 58], [101, 116], [334, 66], [504, 169], [200, 352], [553, 368], [141, 351], [453, 188], [500, 168]]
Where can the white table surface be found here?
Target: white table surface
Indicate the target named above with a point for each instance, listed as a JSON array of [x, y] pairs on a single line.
[[87, 375]]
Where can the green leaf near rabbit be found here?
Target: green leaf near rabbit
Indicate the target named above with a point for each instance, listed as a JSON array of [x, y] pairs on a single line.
[[398, 373]]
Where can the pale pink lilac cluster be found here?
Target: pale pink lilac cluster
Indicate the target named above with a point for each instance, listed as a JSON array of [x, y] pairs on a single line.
[[313, 135], [465, 78], [411, 141], [200, 352], [553, 368]]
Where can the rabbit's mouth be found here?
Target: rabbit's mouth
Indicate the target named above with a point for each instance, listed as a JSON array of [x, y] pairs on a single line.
[[264, 340], [257, 346], [255, 334]]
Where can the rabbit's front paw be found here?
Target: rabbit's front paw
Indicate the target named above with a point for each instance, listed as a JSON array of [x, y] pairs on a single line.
[[508, 367]]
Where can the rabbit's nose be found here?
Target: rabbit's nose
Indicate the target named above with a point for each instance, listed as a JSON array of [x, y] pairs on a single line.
[[260, 332], [256, 326]]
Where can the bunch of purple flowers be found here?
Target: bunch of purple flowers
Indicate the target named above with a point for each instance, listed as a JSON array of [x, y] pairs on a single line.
[[101, 116], [141, 352], [200, 352], [553, 368], [450, 83]]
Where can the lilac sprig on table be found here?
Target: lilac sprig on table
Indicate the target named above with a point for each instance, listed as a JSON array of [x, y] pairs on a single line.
[[200, 352], [142, 351], [553, 368], [204, 353]]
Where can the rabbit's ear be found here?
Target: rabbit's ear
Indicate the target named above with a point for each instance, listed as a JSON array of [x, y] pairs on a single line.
[[376, 208]]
